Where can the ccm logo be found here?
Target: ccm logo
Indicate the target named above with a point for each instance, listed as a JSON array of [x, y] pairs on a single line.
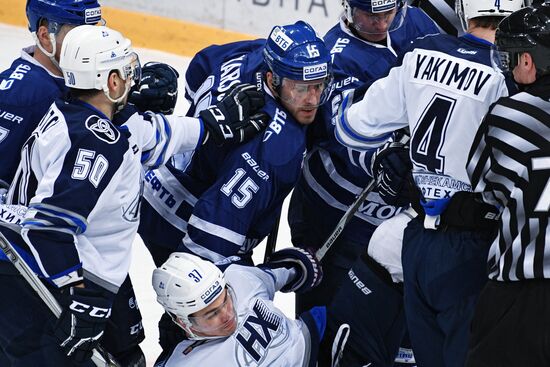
[[98, 312]]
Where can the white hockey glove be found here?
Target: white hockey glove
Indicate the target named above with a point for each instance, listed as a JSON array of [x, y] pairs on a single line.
[[234, 119], [308, 270]]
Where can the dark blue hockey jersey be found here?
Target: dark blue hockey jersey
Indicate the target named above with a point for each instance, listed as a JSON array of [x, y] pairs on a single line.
[[228, 199], [27, 90], [334, 174]]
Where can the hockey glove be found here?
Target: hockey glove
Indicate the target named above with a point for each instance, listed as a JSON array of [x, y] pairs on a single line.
[[157, 90], [82, 322], [391, 167], [308, 270], [233, 119]]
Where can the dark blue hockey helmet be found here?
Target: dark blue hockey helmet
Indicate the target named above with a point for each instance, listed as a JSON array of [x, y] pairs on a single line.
[[297, 53], [376, 9], [59, 12]]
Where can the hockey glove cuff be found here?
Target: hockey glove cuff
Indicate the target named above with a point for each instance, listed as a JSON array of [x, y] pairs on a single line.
[[308, 270], [82, 322], [157, 90], [233, 119]]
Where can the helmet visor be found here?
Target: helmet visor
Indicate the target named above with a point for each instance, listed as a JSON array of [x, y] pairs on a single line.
[[218, 320], [378, 24], [304, 94], [132, 70]]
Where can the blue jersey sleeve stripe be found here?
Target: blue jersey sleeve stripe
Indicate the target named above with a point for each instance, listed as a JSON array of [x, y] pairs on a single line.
[[74, 221], [217, 230], [167, 132]]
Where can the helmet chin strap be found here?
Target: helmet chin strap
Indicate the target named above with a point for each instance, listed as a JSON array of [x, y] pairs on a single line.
[[51, 55], [186, 326], [119, 105]]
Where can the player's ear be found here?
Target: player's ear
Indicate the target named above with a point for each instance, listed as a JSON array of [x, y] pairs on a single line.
[[43, 36], [269, 80], [115, 84]]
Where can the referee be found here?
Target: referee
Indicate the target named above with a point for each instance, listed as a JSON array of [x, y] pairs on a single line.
[[510, 164]]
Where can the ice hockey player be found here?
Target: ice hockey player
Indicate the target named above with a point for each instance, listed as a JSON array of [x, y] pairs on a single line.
[[364, 45], [509, 163], [441, 89], [34, 80], [80, 177], [230, 319], [227, 200]]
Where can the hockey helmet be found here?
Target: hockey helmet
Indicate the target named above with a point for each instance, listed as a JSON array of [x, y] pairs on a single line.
[[526, 30], [61, 12], [297, 53], [186, 284], [471, 9], [90, 53], [392, 11]]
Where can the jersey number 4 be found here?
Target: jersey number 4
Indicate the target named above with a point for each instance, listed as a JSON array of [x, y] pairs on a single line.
[[429, 134], [246, 188]]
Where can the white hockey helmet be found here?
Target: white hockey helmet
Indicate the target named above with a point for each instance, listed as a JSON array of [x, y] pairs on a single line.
[[186, 284], [470, 9], [88, 55]]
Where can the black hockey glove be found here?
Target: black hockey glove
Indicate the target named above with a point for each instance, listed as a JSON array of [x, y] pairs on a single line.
[[157, 90], [234, 119], [391, 167], [308, 270], [82, 322]]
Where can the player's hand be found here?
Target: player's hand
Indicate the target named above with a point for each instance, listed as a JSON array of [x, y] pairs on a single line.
[[233, 120], [82, 322], [308, 270], [391, 167], [157, 90]]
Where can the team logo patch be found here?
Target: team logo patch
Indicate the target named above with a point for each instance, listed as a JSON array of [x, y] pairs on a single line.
[[92, 16], [103, 129], [315, 71], [281, 39], [379, 6]]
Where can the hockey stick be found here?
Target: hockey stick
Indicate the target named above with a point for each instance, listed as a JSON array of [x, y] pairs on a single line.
[[272, 240], [100, 357], [342, 223], [348, 215]]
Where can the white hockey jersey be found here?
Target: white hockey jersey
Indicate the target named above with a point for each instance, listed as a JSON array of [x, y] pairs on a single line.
[[441, 89], [81, 178], [264, 335]]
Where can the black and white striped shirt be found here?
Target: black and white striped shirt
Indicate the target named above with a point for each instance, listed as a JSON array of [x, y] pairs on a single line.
[[510, 164], [443, 14]]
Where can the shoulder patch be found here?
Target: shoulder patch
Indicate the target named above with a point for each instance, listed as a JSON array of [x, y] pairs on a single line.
[[103, 129]]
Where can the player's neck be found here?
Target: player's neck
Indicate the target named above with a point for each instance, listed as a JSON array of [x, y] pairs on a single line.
[[46, 62], [487, 34], [101, 103]]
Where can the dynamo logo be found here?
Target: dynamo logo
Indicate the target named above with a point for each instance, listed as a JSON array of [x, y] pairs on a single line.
[[315, 71], [103, 129]]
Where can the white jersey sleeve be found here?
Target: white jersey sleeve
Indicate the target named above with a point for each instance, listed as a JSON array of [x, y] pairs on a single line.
[[370, 122], [160, 136]]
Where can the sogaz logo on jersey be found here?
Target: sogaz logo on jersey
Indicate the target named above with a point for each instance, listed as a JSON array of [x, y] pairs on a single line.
[[103, 129], [315, 71]]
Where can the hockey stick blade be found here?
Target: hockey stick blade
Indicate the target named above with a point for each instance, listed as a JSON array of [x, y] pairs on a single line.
[[100, 357]]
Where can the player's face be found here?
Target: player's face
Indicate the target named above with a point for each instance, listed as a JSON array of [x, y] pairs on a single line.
[[302, 98], [218, 319], [372, 26]]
